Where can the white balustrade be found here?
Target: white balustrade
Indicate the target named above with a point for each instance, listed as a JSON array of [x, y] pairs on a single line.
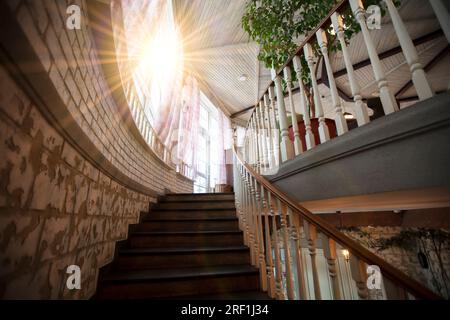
[[341, 123]]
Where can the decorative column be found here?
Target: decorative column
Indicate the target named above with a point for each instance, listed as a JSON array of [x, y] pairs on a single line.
[[309, 136], [387, 98], [323, 128], [287, 151], [362, 116], [341, 123], [297, 142], [419, 77]]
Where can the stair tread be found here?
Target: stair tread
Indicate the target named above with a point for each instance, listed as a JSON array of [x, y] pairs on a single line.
[[158, 209], [179, 273], [148, 219], [182, 250], [193, 232], [195, 200], [200, 194], [239, 295]]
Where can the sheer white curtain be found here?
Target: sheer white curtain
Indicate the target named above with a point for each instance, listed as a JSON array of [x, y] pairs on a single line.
[[220, 141]]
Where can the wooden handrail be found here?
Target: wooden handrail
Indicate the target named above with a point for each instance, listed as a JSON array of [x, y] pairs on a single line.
[[387, 270]]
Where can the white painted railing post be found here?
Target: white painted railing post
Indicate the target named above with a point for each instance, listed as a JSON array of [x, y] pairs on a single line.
[[311, 237], [441, 12], [276, 246], [419, 77], [341, 123], [309, 136], [269, 132], [297, 142], [287, 151], [359, 274], [323, 128], [287, 252], [387, 98], [255, 144], [275, 132], [362, 116], [262, 135]]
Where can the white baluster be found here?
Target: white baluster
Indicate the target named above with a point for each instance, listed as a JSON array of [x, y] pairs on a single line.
[[341, 123], [362, 116], [287, 150], [359, 274], [295, 222], [387, 98], [275, 132], [297, 142], [419, 77], [309, 136], [269, 132], [324, 133], [287, 251], [443, 16], [262, 126], [277, 251], [329, 251], [311, 237]]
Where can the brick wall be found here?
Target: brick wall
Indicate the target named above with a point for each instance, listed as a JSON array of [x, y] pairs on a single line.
[[57, 206]]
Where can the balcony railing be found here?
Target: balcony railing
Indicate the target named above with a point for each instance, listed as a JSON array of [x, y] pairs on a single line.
[[267, 142]]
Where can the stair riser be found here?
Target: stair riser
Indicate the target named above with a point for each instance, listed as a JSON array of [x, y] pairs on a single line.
[[176, 215], [206, 197], [188, 241], [134, 262], [179, 287], [195, 205], [231, 225]]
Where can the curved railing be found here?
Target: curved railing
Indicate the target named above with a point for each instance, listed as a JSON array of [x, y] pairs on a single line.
[[276, 226], [267, 143]]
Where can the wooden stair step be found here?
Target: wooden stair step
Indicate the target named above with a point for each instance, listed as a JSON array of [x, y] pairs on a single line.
[[132, 259], [203, 224], [144, 284], [195, 205], [190, 214], [161, 239], [197, 197]]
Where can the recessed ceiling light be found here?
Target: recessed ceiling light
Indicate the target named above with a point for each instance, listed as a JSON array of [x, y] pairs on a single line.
[[243, 77]]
